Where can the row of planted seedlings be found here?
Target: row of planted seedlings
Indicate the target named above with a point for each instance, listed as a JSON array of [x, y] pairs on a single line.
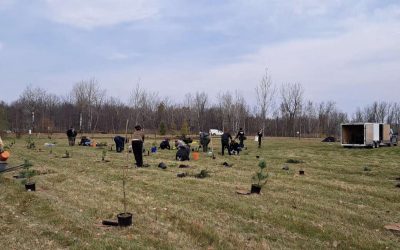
[[125, 218]]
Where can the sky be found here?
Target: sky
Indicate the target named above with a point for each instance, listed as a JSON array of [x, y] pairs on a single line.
[[339, 50]]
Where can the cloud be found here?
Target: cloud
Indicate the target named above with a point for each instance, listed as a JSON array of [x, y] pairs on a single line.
[[89, 14], [6, 3], [116, 56]]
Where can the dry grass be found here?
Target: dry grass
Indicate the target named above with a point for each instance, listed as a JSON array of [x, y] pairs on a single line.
[[336, 204]]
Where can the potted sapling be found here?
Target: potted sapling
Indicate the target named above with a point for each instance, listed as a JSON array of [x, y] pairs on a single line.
[[125, 218], [260, 178], [67, 154], [104, 155], [28, 173]]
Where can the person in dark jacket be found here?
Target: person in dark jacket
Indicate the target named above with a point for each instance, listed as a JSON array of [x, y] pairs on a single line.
[[225, 139], [241, 137], [183, 153], [119, 143], [234, 148], [204, 141], [260, 135], [137, 145], [71, 134], [165, 144]]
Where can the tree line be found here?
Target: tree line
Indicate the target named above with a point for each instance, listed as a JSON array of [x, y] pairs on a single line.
[[280, 111]]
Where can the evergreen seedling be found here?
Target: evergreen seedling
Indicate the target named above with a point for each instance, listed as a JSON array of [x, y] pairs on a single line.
[[260, 178]]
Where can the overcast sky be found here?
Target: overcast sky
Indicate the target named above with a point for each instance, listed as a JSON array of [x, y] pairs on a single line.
[[340, 50]]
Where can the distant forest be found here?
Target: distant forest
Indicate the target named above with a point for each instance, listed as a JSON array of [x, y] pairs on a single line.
[[280, 111]]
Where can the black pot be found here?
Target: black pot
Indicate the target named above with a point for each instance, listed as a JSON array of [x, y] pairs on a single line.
[[124, 219], [255, 189], [30, 186], [301, 172]]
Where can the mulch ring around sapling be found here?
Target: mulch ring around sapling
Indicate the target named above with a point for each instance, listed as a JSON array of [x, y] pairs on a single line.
[[204, 173], [162, 165], [227, 165], [181, 175], [294, 161], [183, 166]]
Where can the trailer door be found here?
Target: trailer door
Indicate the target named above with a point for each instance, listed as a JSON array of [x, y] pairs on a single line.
[[376, 131], [386, 133], [369, 133]]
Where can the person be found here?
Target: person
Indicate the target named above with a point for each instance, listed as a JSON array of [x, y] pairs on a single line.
[[71, 134], [234, 148], [137, 145], [225, 137], [165, 144], [241, 137], [183, 152], [204, 141], [119, 143], [260, 135], [1, 145], [85, 141]]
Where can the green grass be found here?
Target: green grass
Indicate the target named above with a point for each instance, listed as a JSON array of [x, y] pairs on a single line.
[[336, 202]]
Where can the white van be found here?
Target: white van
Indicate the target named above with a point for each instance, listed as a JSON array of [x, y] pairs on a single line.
[[215, 132]]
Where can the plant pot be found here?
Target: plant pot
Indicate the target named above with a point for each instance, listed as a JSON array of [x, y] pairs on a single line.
[[124, 219], [255, 189], [30, 186], [301, 172], [195, 156]]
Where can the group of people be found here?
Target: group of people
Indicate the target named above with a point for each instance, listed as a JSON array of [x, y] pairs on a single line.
[[232, 146], [138, 136]]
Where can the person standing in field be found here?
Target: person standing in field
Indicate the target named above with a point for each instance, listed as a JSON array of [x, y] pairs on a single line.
[[71, 134], [137, 145], [1, 145], [225, 138], [260, 135], [241, 137]]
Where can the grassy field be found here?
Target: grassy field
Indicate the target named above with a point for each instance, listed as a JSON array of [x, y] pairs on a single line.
[[336, 204]]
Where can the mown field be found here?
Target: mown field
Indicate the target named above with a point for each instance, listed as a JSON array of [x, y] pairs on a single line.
[[336, 204]]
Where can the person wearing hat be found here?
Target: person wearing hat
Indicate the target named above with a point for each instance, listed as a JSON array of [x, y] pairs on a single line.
[[241, 137], [137, 145]]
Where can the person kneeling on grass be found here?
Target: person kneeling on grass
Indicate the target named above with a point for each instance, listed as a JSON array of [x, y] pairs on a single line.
[[137, 145], [183, 153], [165, 144], [234, 147]]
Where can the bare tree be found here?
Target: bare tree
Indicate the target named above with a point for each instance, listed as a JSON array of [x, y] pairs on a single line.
[[265, 94], [89, 97], [200, 105], [292, 98]]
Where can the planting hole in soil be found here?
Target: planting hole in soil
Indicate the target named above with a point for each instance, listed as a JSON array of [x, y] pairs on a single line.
[[255, 189], [30, 186]]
